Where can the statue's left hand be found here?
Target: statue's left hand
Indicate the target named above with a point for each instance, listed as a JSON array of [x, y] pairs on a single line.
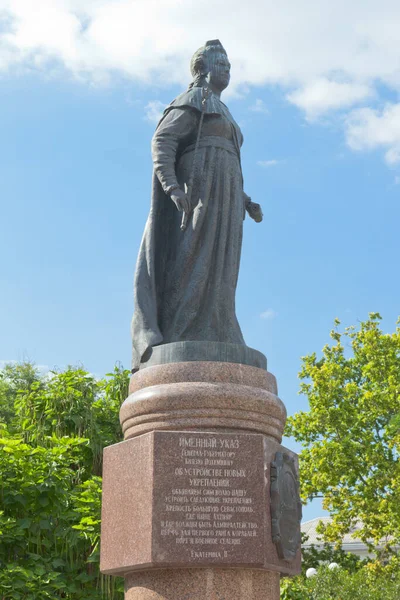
[[254, 211]]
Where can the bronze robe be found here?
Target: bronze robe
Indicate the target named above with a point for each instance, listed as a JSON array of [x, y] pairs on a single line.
[[185, 282]]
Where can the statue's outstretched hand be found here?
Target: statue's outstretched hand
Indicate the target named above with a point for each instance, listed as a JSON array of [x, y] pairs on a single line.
[[180, 200], [254, 211]]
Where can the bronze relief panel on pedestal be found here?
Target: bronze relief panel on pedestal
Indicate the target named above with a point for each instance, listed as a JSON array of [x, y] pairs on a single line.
[[286, 509]]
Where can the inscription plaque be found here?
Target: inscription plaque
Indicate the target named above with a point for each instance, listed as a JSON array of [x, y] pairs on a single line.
[[209, 498], [177, 499]]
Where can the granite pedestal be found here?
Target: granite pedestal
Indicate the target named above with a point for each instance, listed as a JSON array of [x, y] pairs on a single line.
[[200, 500]]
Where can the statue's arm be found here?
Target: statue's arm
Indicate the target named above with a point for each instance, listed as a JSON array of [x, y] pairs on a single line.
[[246, 200], [174, 131]]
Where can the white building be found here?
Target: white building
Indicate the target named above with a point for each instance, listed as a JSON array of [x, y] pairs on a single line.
[[349, 544]]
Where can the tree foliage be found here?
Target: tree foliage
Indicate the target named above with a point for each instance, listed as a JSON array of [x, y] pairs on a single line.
[[351, 433], [340, 584], [53, 429]]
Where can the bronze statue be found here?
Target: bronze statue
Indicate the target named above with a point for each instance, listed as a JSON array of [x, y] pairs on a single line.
[[188, 262]]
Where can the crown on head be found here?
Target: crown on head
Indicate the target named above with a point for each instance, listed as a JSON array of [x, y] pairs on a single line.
[[215, 44]]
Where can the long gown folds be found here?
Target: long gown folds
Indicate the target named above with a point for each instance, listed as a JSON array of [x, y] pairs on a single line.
[[185, 281]]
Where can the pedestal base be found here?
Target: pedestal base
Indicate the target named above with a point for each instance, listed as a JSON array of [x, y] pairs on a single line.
[[202, 584], [200, 502]]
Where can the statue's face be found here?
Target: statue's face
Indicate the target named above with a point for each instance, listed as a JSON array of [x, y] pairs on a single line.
[[219, 70]]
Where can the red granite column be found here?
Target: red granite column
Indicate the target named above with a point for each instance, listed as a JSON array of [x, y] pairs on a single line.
[[202, 584]]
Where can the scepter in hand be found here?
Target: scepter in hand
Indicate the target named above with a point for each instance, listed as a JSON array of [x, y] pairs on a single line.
[[205, 94]]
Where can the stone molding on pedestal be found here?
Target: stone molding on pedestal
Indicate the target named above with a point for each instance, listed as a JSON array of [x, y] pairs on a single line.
[[212, 396]]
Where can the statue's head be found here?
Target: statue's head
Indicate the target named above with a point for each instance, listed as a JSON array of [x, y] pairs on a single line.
[[210, 64]]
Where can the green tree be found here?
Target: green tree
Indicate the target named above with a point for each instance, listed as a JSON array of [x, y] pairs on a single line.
[[339, 584], [53, 429], [350, 434], [15, 378]]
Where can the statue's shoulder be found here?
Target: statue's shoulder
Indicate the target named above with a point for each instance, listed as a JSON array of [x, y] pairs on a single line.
[[193, 98]]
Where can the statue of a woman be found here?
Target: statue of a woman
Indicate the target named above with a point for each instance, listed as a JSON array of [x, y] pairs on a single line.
[[186, 277]]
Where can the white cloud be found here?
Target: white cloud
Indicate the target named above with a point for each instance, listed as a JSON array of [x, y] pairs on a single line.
[[325, 55], [292, 44], [259, 106], [154, 110], [269, 314], [268, 163], [368, 129], [392, 156], [323, 95]]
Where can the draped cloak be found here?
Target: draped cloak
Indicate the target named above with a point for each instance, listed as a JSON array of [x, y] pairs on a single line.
[[185, 282]]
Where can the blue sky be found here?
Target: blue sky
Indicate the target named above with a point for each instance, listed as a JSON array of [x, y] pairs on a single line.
[[321, 154]]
